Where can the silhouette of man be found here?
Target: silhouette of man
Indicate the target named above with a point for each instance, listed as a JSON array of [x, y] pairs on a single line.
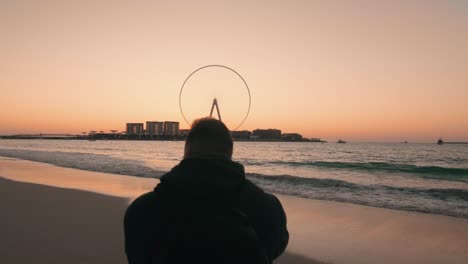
[[196, 199]]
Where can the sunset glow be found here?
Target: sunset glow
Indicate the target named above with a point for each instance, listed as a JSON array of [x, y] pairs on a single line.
[[362, 71]]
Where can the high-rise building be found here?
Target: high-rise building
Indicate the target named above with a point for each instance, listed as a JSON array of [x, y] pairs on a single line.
[[171, 128], [267, 133], [154, 128], [135, 129]]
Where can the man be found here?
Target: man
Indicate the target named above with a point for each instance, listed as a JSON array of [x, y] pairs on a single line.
[[207, 201]]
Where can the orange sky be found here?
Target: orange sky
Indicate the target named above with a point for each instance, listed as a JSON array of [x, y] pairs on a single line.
[[366, 71]]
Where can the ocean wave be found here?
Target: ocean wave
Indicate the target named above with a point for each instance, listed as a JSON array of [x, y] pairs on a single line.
[[453, 202], [86, 161], [444, 194], [446, 173]]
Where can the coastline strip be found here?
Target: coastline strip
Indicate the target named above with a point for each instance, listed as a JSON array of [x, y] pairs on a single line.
[[327, 231]]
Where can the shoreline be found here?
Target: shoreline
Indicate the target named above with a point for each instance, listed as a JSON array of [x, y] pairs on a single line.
[[328, 231], [7, 137], [438, 196], [153, 139]]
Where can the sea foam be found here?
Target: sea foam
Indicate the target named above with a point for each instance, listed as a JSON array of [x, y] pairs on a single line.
[[453, 202]]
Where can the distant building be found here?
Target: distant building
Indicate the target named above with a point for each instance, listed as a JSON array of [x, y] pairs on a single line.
[[184, 132], [243, 134], [267, 133], [291, 137], [135, 129], [316, 140], [154, 128], [171, 128]]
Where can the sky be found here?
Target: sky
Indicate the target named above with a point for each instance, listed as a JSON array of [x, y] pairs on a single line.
[[352, 70]]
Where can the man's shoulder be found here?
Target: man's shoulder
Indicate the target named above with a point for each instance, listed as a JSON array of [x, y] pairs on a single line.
[[251, 195], [143, 200], [260, 195], [141, 205], [150, 202]]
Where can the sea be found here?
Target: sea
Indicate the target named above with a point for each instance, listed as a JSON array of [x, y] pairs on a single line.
[[426, 178]]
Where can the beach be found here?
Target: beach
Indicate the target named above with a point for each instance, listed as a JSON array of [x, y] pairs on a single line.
[[78, 219]]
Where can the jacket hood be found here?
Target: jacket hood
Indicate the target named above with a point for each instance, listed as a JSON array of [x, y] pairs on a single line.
[[205, 177]]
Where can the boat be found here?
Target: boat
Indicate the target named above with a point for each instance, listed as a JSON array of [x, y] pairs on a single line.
[[440, 141], [341, 141]]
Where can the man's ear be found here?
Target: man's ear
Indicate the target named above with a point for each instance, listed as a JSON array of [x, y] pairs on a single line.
[[187, 152]]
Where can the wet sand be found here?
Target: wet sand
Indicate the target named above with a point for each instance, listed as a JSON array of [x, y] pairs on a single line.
[[44, 224]]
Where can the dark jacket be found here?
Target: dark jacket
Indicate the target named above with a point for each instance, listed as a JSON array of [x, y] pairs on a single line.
[[204, 180]]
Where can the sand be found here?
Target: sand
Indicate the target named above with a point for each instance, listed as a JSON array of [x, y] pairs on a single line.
[[44, 224]]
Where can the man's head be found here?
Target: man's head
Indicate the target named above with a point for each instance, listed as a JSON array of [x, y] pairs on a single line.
[[208, 137]]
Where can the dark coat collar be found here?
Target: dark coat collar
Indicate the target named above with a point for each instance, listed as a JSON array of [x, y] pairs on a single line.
[[205, 176]]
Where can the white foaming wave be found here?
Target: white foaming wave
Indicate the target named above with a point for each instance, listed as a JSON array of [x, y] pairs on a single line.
[[452, 202], [86, 161]]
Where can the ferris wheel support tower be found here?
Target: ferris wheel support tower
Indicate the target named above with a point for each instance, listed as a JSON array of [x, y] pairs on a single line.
[[215, 104]]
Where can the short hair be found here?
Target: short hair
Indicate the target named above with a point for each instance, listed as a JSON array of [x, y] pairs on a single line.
[[208, 137]]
